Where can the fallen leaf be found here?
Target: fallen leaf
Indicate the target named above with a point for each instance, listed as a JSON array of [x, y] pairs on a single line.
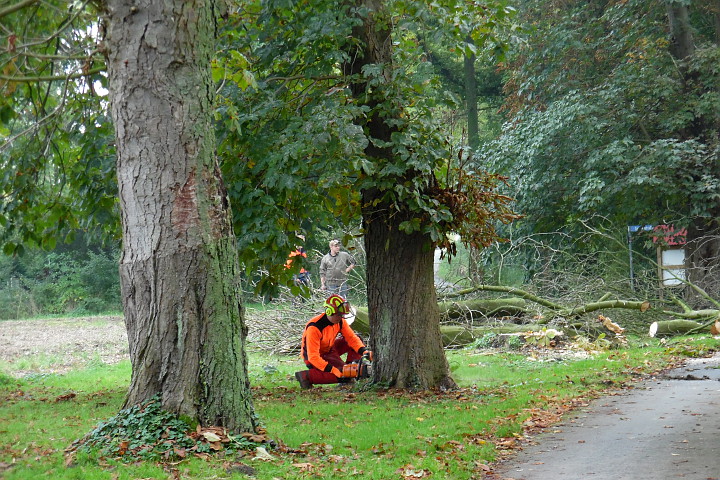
[[123, 447], [305, 467], [211, 437], [262, 454]]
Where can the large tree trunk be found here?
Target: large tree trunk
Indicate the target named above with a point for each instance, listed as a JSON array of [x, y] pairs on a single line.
[[405, 319], [179, 267], [471, 98], [402, 304], [681, 37]]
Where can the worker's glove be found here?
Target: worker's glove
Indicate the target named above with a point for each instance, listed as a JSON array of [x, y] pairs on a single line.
[[367, 355]]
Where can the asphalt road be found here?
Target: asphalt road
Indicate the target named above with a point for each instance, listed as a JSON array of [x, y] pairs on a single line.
[[667, 428]]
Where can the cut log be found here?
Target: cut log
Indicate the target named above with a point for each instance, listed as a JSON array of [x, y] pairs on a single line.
[[668, 328]]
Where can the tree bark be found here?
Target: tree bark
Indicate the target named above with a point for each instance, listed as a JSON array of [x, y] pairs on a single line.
[[471, 98], [681, 38], [179, 268], [405, 319], [402, 303]]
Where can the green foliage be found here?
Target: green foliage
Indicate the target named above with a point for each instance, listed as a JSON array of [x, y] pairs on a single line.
[[141, 431], [6, 380], [75, 280], [613, 126], [484, 342], [294, 140], [285, 137], [56, 153]]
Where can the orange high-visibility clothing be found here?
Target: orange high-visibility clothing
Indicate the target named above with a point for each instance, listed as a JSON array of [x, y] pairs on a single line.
[[319, 337], [289, 262]]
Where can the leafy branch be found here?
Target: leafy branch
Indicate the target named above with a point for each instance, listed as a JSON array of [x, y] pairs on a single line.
[[52, 78]]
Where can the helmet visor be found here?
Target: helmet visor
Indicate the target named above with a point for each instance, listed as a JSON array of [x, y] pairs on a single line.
[[350, 316]]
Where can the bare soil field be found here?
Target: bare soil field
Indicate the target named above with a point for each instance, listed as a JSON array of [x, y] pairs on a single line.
[[62, 344]]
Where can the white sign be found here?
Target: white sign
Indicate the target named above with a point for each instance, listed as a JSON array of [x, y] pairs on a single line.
[[673, 266]]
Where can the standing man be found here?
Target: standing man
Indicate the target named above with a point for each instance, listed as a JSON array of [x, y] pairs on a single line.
[[326, 337], [334, 269]]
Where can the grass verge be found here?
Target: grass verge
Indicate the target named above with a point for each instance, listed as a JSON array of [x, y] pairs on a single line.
[[328, 432]]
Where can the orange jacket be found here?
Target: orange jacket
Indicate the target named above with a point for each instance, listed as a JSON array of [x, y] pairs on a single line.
[[319, 337]]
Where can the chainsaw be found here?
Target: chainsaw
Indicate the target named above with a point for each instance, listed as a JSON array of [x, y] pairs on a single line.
[[359, 369]]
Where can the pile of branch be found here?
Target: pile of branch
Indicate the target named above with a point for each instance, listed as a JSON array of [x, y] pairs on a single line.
[[554, 308], [465, 321], [278, 330]]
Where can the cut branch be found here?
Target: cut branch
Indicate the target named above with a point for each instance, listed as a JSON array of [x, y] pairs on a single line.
[[18, 6], [591, 307], [52, 78], [509, 290]]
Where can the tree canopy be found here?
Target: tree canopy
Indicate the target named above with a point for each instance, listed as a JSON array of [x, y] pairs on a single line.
[[603, 117], [57, 156], [292, 147]]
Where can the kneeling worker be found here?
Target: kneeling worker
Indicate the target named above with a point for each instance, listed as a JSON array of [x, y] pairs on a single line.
[[322, 347]]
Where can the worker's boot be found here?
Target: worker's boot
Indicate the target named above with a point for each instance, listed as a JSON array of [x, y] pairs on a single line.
[[304, 379]]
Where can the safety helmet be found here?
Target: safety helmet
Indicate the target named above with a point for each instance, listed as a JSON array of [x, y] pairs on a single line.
[[336, 304]]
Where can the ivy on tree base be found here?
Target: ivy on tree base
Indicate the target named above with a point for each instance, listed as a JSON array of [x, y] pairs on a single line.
[[147, 432]]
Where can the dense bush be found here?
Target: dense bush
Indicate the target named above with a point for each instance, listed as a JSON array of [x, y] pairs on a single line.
[[71, 280]]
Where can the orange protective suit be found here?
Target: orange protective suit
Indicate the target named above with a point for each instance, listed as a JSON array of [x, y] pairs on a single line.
[[322, 345]]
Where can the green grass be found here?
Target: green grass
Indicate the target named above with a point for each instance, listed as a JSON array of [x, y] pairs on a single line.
[[327, 432]]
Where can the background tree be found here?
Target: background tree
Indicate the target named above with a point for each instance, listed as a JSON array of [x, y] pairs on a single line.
[[179, 269], [353, 117], [454, 53], [616, 124]]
